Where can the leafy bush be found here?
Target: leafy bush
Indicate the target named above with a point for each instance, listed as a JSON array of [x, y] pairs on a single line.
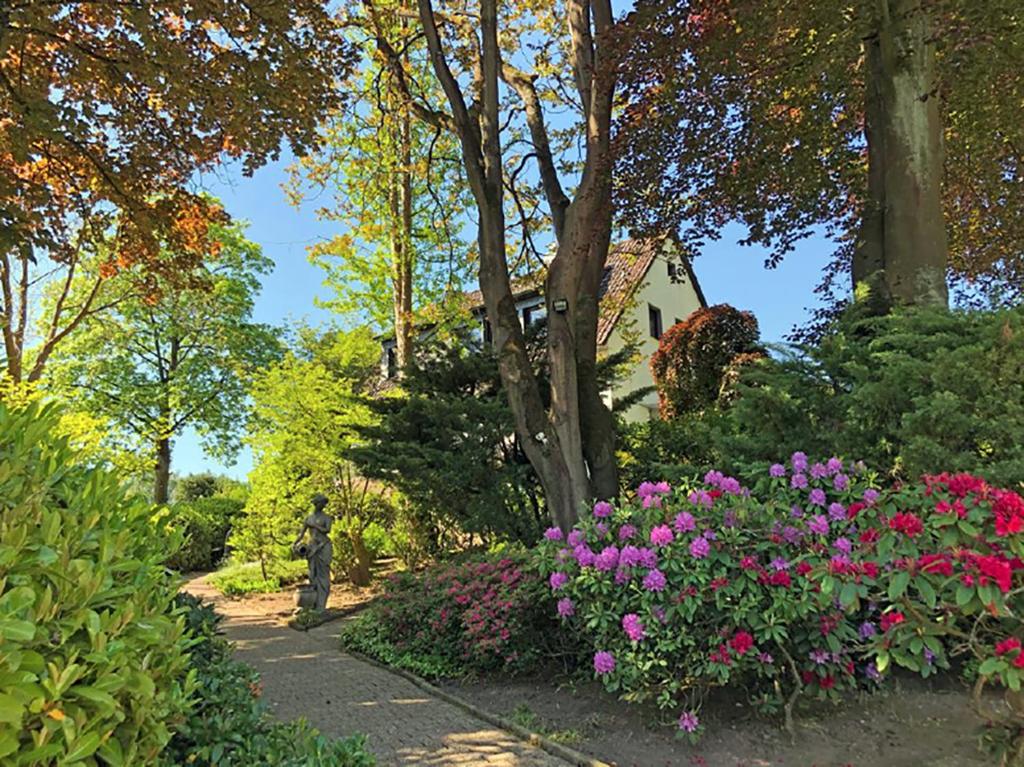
[[917, 392], [228, 725], [205, 524], [786, 587], [677, 592], [92, 663], [489, 614], [950, 556], [697, 355], [250, 578]]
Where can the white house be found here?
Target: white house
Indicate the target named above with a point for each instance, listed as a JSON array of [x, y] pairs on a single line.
[[647, 287]]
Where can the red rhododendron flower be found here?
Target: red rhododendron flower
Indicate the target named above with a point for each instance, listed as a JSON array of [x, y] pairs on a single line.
[[803, 568], [937, 564], [891, 619], [854, 509], [906, 523], [1008, 509], [741, 642], [827, 682], [1019, 662], [807, 676], [721, 655], [780, 578], [869, 536], [1007, 646]]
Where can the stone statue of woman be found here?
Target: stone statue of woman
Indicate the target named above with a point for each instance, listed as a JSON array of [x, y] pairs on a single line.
[[318, 551]]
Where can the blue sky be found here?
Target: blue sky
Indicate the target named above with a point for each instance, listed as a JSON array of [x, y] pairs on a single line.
[[728, 273]]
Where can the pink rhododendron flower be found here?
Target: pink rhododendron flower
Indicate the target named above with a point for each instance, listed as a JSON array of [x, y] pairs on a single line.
[[684, 522], [553, 534], [699, 547], [654, 580], [777, 470], [661, 535], [688, 721], [816, 497], [798, 461], [558, 580], [602, 509], [633, 627], [566, 607], [798, 481], [604, 662], [626, 532]]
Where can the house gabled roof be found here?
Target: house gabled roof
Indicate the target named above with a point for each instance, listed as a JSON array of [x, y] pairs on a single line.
[[625, 270]]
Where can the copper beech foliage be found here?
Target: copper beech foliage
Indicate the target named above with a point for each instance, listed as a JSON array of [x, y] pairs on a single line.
[[754, 111], [698, 356], [117, 105]]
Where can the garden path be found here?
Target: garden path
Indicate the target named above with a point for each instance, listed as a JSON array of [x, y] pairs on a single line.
[[305, 674]]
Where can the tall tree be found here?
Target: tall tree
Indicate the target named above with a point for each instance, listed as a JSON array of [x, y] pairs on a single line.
[[498, 66], [156, 364], [113, 107], [397, 188], [892, 124]]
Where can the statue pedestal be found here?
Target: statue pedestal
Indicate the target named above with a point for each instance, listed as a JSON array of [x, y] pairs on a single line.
[[305, 597]]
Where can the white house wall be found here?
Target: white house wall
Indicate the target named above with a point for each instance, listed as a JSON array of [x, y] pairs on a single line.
[[677, 301]]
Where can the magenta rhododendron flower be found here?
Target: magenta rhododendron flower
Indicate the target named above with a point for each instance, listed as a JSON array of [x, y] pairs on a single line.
[[575, 538], [626, 532], [870, 496], [633, 627], [840, 482], [798, 481], [654, 580], [566, 607], [622, 576], [818, 524], [837, 512], [648, 558], [684, 522], [553, 534], [688, 721], [818, 471], [558, 580], [607, 560], [584, 556], [661, 535], [602, 509], [816, 497], [834, 465], [713, 478], [629, 556], [699, 547], [604, 662], [650, 501], [777, 470], [701, 498]]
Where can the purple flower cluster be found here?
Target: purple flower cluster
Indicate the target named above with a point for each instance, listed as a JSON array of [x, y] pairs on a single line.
[[602, 509], [604, 662], [818, 524], [553, 534], [688, 722], [626, 532], [558, 580], [655, 580], [699, 547], [662, 535], [684, 522], [566, 607], [608, 559], [633, 627], [651, 493]]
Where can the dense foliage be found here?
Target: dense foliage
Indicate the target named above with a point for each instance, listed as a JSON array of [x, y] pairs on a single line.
[[694, 357], [228, 726], [812, 581], [236, 580], [205, 524], [482, 614], [914, 392], [445, 441], [92, 663]]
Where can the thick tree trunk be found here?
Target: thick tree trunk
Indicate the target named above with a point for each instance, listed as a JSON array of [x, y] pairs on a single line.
[[906, 140], [162, 471]]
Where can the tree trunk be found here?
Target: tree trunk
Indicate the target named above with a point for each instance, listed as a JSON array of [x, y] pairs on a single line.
[[402, 245], [359, 570], [910, 132], [162, 472]]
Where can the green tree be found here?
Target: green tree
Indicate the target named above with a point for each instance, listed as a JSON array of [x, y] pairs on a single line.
[[893, 125], [306, 411], [398, 191], [447, 442], [157, 363]]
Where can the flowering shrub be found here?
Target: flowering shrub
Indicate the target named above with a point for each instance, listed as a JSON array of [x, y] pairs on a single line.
[[681, 590], [949, 553], [492, 614], [806, 580]]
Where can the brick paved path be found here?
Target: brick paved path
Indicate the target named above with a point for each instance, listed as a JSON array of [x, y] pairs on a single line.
[[306, 674]]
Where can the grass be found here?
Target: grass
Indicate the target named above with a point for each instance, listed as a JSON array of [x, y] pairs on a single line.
[[526, 718], [247, 577]]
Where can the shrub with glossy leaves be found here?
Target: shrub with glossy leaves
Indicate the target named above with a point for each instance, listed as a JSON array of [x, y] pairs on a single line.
[[205, 524], [93, 665], [230, 727], [698, 355]]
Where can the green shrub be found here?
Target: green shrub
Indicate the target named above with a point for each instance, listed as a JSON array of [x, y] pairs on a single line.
[[248, 577], [205, 524], [230, 727], [915, 393], [482, 614], [93, 667]]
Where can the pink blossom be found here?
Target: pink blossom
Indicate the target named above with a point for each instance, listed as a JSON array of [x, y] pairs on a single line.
[[661, 535]]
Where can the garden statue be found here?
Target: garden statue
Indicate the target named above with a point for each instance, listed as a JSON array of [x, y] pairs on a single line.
[[317, 552]]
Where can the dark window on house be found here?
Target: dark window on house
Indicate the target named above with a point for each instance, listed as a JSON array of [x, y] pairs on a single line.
[[392, 362], [654, 317], [673, 270], [488, 335]]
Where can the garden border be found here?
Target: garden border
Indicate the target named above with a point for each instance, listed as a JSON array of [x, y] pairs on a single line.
[[571, 755]]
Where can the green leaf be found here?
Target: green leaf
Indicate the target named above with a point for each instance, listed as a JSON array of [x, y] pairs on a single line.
[[964, 594], [85, 746], [898, 585], [926, 591], [990, 666], [11, 711], [17, 630], [848, 596]]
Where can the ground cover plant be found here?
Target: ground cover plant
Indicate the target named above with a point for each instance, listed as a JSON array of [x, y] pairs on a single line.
[[806, 580], [239, 579]]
